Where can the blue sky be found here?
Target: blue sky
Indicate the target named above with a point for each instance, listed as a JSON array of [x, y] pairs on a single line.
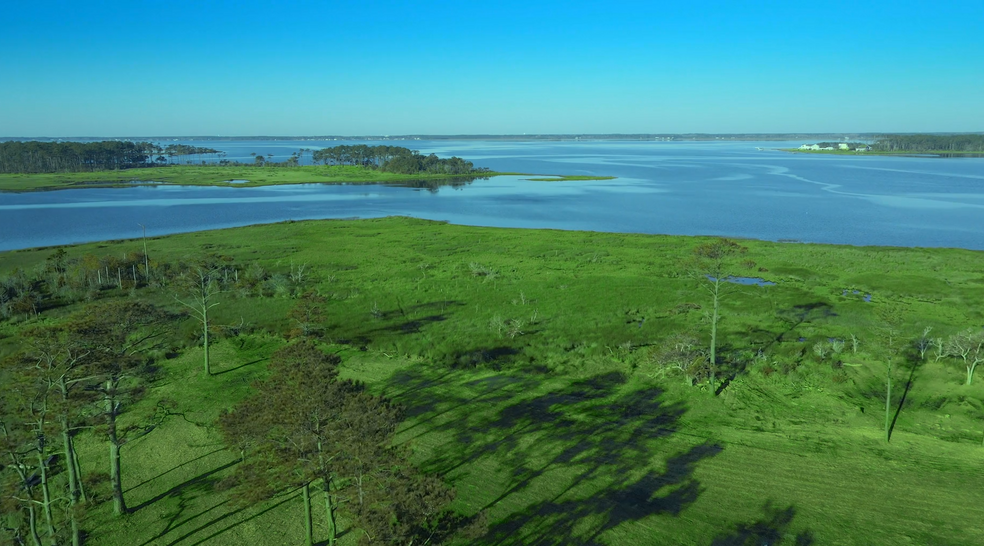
[[107, 68]]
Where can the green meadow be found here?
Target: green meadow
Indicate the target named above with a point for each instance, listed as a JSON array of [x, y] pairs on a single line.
[[531, 364], [244, 176]]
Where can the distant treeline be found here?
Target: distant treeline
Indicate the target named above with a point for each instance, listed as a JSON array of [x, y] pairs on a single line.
[[930, 143], [53, 157], [394, 159]]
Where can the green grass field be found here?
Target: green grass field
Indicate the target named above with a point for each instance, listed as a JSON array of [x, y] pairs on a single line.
[[524, 359], [212, 175]]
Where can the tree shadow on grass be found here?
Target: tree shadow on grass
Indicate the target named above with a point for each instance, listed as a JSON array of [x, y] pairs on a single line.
[[770, 530], [188, 495], [162, 474], [795, 316], [406, 312], [202, 482], [292, 496], [410, 326], [191, 493], [912, 359], [239, 367], [576, 459]]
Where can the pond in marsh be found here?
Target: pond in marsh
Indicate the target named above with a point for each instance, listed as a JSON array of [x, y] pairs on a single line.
[[691, 188]]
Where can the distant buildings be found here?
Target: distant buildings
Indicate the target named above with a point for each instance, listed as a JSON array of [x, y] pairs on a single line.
[[847, 146]]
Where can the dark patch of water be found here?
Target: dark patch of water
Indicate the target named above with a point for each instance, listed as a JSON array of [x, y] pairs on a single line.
[[866, 297], [748, 281]]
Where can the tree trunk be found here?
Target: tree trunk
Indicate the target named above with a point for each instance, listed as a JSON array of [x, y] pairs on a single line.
[[76, 536], [74, 486], [78, 473], [308, 524], [330, 512], [208, 368], [33, 524], [73, 477], [119, 504], [46, 495], [714, 326], [888, 403]]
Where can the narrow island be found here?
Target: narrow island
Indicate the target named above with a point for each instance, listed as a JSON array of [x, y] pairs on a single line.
[[920, 145], [33, 166]]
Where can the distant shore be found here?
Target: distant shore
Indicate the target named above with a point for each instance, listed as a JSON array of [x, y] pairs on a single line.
[[684, 137], [852, 153]]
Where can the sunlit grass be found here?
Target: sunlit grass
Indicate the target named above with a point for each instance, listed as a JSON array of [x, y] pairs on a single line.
[[213, 175], [562, 430]]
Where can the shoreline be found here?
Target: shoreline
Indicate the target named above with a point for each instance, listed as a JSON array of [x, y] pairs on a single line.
[[429, 221], [937, 154]]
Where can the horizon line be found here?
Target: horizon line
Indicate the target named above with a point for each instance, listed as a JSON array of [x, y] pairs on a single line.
[[498, 135]]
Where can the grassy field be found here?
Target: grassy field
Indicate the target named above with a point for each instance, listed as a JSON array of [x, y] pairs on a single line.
[[224, 175], [524, 358]]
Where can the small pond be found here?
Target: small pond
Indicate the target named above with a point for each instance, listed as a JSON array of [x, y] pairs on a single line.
[[748, 281]]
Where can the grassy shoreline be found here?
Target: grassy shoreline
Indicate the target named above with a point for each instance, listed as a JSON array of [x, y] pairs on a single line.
[[563, 429], [195, 175]]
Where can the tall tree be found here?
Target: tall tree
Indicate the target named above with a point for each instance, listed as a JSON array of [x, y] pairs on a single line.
[[118, 335], [201, 287], [56, 361], [304, 428], [713, 265], [893, 317]]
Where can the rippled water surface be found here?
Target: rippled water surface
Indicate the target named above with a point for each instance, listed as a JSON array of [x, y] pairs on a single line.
[[715, 188]]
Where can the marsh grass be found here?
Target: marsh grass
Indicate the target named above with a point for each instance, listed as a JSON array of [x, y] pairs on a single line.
[[242, 177], [561, 432], [215, 175]]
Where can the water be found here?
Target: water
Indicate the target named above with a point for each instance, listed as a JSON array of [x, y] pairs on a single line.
[[747, 281], [694, 188], [866, 297]]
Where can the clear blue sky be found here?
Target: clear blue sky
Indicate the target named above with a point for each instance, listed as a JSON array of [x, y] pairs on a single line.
[[110, 68]]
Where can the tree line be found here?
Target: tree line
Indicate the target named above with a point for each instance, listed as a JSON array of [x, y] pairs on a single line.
[[930, 143], [53, 157], [302, 429], [395, 159]]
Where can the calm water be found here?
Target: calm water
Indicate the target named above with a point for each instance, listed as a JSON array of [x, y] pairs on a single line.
[[712, 188]]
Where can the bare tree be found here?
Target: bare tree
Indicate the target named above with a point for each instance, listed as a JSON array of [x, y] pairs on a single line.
[[201, 289], [713, 265], [893, 318], [681, 353], [968, 346]]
